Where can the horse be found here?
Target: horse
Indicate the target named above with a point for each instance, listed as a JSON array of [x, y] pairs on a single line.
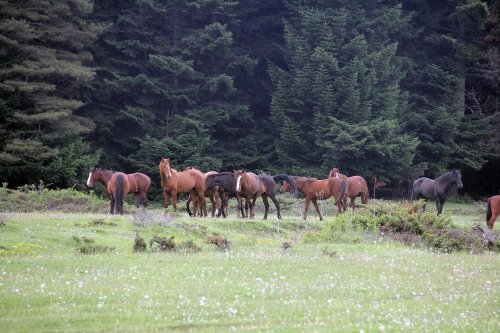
[[173, 183], [225, 183], [493, 210], [436, 188], [315, 189], [211, 192], [250, 186], [357, 187], [138, 183]]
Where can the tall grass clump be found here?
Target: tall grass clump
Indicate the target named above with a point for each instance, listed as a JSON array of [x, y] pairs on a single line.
[[408, 224]]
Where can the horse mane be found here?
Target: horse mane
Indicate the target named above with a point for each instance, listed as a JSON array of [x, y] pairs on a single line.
[[445, 176], [103, 170]]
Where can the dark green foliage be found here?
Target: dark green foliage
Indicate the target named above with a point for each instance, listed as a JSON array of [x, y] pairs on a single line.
[[390, 88], [45, 68]]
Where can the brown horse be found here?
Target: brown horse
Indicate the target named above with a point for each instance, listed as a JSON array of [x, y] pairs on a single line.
[[250, 186], [493, 210], [210, 192], [356, 184], [173, 183], [315, 189], [137, 183]]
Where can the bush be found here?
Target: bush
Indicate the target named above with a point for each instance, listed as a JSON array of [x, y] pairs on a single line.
[[407, 224], [31, 198]]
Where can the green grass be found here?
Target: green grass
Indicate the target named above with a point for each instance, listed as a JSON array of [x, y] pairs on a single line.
[[371, 285]]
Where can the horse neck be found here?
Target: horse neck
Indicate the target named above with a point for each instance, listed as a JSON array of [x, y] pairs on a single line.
[[446, 181], [103, 177]]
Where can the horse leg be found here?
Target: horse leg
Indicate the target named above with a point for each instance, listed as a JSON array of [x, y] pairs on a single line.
[[439, 205], [353, 205], [224, 200], [277, 204], [338, 202], [187, 206], [165, 201], [266, 205], [306, 207], [315, 203], [491, 221], [111, 205], [174, 200], [137, 199]]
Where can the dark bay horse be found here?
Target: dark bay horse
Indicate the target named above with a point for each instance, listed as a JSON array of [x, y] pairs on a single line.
[[173, 183], [225, 183], [315, 189], [250, 186], [357, 187], [436, 188], [493, 210], [137, 183]]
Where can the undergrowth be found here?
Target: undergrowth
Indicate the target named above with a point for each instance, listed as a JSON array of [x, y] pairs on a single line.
[[408, 224]]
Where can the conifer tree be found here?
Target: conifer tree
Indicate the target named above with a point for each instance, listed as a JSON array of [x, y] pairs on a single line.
[[45, 67]]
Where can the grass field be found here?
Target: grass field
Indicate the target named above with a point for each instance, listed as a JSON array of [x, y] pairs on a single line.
[[46, 284]]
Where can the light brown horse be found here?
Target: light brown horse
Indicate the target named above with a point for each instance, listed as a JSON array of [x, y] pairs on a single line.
[[210, 192], [493, 210], [357, 187], [321, 189], [173, 183], [137, 183]]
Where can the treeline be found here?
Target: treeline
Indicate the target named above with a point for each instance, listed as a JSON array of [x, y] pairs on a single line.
[[393, 89]]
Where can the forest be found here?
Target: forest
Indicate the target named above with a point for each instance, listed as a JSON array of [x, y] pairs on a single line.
[[389, 89]]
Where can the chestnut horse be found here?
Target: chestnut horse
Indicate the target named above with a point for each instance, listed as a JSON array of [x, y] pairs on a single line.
[[225, 182], [211, 192], [357, 187], [493, 210], [137, 183], [173, 183], [250, 186], [315, 189]]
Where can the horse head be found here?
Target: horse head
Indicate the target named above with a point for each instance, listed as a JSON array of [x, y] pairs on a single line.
[[334, 172], [165, 168], [457, 176], [91, 179], [240, 174]]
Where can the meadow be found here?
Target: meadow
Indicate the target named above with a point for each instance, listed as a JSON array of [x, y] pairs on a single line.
[[78, 271]]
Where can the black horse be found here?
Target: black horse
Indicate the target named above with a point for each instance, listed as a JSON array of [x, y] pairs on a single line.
[[436, 188]]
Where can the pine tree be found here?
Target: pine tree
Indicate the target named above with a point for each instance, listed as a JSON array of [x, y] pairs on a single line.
[[45, 66], [340, 93]]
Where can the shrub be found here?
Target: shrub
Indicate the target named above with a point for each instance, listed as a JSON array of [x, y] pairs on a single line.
[[405, 223]]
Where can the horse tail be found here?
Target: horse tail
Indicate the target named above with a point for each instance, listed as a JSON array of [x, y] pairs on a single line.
[[411, 192], [118, 191], [288, 179], [488, 211], [343, 193]]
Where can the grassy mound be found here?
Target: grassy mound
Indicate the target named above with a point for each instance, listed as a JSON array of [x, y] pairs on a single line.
[[33, 198]]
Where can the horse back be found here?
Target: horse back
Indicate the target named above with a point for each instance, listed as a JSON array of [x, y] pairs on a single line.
[[267, 184], [113, 181], [190, 179], [424, 187], [252, 184]]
